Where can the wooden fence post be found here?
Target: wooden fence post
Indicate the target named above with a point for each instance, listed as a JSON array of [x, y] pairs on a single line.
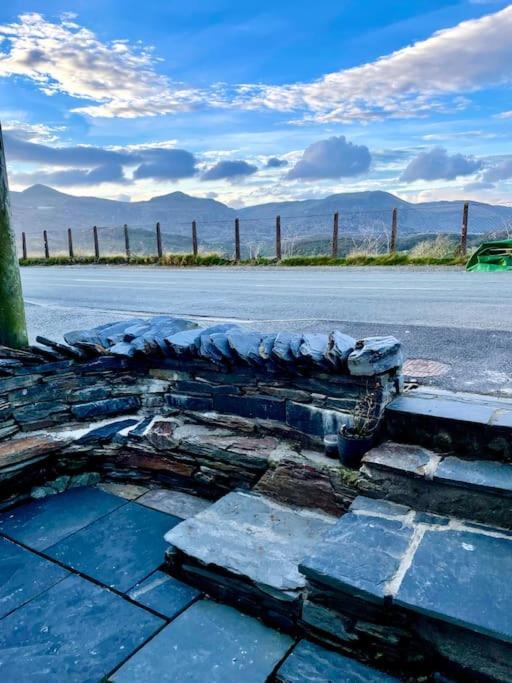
[[464, 230], [24, 245], [70, 244], [278, 238], [159, 252], [127, 242], [96, 243], [46, 247], [335, 227], [194, 238], [237, 239], [394, 232]]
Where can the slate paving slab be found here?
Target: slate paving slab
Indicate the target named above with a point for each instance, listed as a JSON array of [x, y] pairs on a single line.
[[208, 642], [463, 578], [47, 521], [254, 537], [310, 663], [175, 503], [75, 632], [120, 549], [495, 477], [23, 576], [359, 555], [164, 594]]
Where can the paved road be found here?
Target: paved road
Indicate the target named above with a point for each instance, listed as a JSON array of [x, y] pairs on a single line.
[[461, 319]]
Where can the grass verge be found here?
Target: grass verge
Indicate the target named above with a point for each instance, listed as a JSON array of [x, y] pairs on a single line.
[[399, 259]]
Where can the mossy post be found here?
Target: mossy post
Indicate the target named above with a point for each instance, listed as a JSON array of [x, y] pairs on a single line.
[[13, 329]]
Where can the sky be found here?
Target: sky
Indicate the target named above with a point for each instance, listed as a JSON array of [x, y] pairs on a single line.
[[252, 102]]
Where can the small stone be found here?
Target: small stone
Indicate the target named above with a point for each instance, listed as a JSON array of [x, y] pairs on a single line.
[[375, 355]]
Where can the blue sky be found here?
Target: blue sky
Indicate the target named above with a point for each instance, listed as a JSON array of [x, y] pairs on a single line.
[[259, 101]]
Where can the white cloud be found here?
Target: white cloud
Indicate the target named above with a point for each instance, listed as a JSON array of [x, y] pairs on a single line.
[[64, 57], [122, 80], [410, 82], [33, 132], [335, 157], [437, 164]]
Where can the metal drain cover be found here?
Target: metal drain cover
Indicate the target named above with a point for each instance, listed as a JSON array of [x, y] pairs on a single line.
[[422, 367]]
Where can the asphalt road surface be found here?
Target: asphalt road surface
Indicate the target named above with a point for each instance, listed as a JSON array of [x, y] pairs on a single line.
[[463, 321]]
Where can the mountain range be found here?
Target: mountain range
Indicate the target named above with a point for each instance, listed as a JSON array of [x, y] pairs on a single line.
[[40, 207]]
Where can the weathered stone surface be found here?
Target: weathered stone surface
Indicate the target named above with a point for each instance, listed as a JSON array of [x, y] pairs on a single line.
[[109, 406], [38, 414], [261, 540], [265, 408], [176, 503], [75, 631], [360, 555], [463, 578], [494, 477], [313, 348], [410, 459], [308, 479], [43, 523], [310, 663], [374, 355], [233, 647], [28, 449], [164, 594], [23, 576], [245, 345], [128, 491], [286, 348], [313, 420], [138, 549], [107, 431], [339, 347], [186, 402]]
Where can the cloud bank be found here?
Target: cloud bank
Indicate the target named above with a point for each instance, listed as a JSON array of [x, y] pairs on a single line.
[[117, 79], [335, 157], [437, 164]]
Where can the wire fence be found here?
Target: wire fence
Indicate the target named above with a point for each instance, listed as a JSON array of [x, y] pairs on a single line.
[[251, 237]]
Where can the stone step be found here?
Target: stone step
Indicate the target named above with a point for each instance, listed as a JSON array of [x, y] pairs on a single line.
[[245, 549], [415, 588], [479, 490], [475, 425]]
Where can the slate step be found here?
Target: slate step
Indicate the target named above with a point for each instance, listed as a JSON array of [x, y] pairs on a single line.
[[245, 550], [479, 490], [419, 588], [475, 425], [310, 663]]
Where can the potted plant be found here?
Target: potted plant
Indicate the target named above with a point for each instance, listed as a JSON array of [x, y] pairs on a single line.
[[358, 434]]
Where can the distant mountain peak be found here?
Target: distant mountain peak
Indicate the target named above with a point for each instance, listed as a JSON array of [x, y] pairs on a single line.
[[40, 190]]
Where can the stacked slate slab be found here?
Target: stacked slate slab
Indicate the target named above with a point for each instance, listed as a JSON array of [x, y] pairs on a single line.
[[478, 490], [245, 549], [414, 588]]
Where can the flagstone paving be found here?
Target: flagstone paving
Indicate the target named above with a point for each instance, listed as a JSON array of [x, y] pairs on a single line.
[[83, 599]]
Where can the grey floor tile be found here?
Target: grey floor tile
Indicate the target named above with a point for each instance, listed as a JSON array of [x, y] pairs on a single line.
[[208, 643], [76, 632], [46, 521], [120, 549], [164, 594], [23, 575]]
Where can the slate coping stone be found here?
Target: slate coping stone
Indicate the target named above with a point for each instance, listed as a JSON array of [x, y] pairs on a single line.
[[120, 549], [23, 575], [164, 594], [359, 555], [75, 631], [208, 642], [254, 537], [441, 407], [463, 578], [175, 503], [47, 521], [494, 477], [22, 450], [310, 663]]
